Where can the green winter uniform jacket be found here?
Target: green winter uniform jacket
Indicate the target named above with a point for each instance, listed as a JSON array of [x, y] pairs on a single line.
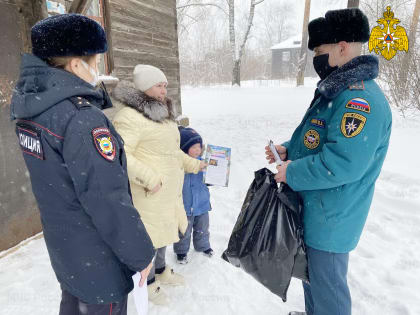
[[337, 153]]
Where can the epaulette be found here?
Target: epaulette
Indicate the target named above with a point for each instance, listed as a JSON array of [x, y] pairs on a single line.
[[80, 102], [357, 86]]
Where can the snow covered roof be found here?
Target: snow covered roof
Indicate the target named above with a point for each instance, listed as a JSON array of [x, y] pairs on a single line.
[[292, 42]]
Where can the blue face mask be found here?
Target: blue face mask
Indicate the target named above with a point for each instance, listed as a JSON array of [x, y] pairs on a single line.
[[322, 67]]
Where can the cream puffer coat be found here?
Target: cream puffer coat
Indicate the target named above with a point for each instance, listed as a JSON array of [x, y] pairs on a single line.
[[152, 146]]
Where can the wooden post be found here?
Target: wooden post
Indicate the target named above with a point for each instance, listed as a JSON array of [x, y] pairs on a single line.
[[304, 47], [353, 3], [79, 6], [108, 30]]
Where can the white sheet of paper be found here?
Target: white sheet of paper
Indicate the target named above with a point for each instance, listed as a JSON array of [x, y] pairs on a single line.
[[141, 298], [217, 175]]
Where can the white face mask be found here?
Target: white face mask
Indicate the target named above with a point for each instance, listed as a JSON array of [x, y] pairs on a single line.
[[93, 72]]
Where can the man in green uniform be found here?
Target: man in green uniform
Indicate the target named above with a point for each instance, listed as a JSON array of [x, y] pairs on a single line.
[[336, 154]]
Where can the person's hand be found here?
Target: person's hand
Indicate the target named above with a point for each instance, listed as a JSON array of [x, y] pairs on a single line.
[[156, 189], [281, 150], [203, 165], [144, 274], [281, 175]]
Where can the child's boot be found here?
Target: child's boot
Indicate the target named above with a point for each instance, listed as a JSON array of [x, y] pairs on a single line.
[[182, 259], [209, 252]]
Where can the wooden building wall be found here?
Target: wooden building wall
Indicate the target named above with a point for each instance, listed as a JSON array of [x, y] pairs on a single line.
[[19, 215], [145, 32]]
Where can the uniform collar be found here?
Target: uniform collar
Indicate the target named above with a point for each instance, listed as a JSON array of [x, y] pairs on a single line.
[[360, 68]]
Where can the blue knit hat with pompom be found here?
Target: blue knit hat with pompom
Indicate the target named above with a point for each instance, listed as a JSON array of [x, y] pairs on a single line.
[[189, 137]]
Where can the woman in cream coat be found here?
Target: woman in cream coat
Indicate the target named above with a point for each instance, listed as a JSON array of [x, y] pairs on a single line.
[[156, 166]]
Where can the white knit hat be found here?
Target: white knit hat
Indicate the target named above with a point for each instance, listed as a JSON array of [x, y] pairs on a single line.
[[145, 77]]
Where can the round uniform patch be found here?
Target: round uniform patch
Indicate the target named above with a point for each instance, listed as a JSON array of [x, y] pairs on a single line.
[[104, 143], [311, 139]]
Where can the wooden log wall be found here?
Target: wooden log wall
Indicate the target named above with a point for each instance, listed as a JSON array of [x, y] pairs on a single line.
[[145, 32], [19, 215]]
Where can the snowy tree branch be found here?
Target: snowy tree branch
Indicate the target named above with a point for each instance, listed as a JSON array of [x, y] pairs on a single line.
[[250, 21], [203, 5]]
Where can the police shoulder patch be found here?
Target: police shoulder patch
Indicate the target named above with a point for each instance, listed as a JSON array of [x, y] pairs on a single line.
[[359, 104], [104, 143], [311, 139], [352, 124]]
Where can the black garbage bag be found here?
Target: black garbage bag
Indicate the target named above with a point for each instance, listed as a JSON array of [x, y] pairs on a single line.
[[267, 240]]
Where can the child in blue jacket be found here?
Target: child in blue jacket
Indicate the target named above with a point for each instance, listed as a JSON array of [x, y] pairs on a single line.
[[197, 205]]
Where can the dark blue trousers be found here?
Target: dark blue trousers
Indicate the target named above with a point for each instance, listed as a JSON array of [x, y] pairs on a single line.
[[328, 292], [71, 305], [198, 226]]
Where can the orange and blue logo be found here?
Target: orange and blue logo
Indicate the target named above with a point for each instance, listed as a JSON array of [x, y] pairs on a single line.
[[390, 38]]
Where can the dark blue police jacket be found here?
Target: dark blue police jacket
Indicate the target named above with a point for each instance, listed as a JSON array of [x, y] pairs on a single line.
[[77, 165]]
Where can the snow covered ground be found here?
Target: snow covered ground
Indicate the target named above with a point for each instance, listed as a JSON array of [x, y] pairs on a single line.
[[384, 271]]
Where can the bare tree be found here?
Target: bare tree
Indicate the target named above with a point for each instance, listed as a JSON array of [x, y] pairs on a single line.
[[304, 48], [185, 19], [237, 51], [412, 42]]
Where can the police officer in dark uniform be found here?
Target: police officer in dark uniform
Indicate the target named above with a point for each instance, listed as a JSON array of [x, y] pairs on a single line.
[[94, 235]]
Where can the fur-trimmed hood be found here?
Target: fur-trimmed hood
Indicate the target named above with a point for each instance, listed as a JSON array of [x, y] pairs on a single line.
[[152, 109], [360, 68]]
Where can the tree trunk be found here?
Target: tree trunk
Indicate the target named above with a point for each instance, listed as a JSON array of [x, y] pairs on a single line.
[[236, 73], [412, 45], [232, 40], [304, 47], [238, 53], [353, 3]]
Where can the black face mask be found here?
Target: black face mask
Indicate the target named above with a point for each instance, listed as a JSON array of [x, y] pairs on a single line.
[[322, 67]]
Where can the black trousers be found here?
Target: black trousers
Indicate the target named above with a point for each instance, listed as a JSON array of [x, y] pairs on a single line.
[[71, 305]]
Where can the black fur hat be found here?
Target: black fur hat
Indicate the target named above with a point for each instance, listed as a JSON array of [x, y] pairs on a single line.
[[68, 35], [349, 25]]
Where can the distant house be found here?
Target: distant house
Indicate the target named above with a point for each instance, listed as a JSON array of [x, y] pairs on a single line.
[[285, 58]]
